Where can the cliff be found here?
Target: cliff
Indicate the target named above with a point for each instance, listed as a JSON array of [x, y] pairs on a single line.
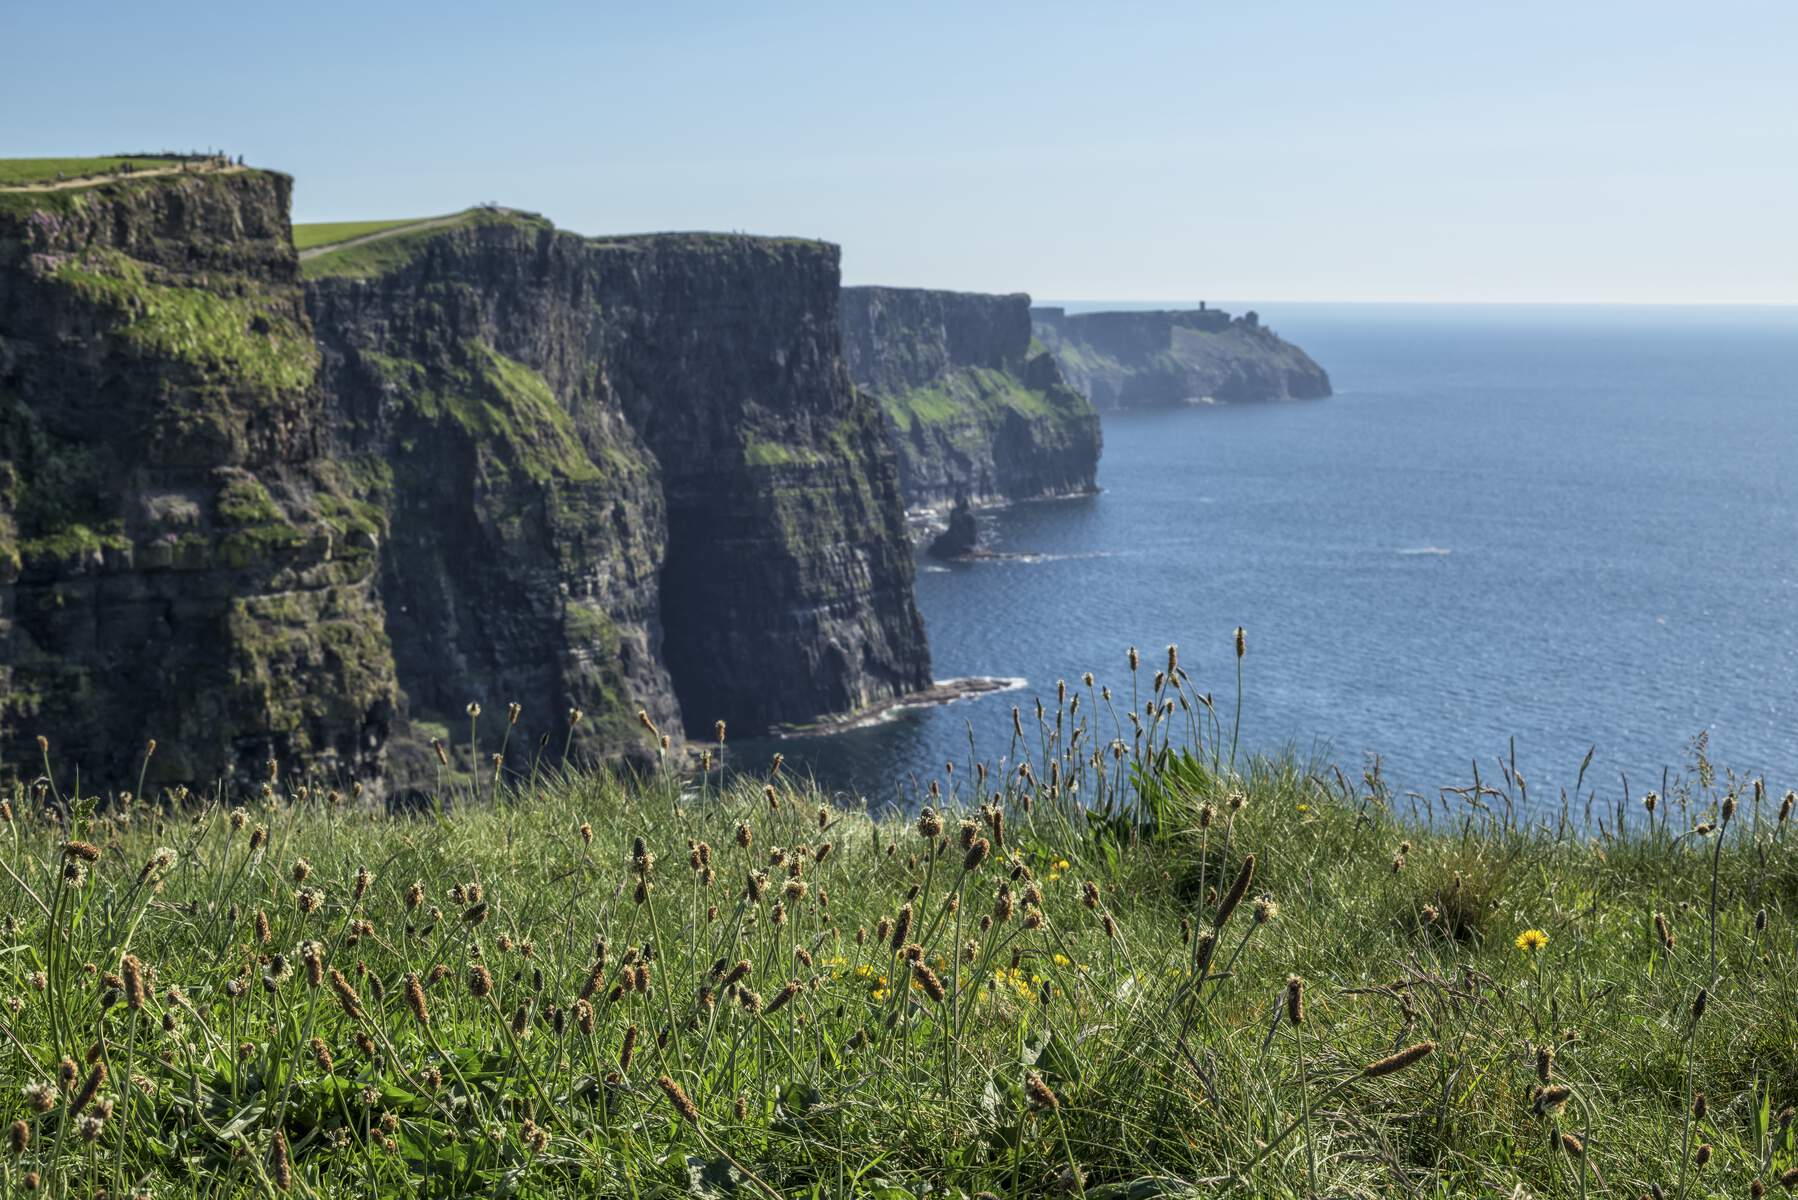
[[179, 560], [972, 405], [787, 593], [623, 471], [522, 523], [254, 516], [1123, 360]]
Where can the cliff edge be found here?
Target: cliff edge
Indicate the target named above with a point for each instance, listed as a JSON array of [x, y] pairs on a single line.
[[179, 558], [1151, 359], [973, 405], [257, 509], [619, 472]]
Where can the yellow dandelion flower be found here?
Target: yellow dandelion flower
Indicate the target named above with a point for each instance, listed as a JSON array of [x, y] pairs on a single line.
[[1531, 940], [1062, 960]]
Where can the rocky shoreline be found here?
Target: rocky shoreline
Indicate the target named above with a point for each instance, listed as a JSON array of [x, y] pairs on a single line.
[[946, 691]]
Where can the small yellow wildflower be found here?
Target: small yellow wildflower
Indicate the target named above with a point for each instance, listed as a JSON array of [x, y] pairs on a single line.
[[1532, 940], [1304, 808]]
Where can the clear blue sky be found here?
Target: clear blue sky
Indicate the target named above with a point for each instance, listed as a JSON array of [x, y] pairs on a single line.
[[1574, 150]]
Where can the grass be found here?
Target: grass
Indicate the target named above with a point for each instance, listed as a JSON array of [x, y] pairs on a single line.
[[1067, 978], [500, 403], [370, 259], [329, 233], [973, 394], [17, 172], [239, 335]]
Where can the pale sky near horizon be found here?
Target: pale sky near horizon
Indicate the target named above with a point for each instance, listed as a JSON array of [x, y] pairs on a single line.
[[1579, 150]]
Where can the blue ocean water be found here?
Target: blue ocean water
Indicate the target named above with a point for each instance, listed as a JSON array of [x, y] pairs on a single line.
[[1573, 527]]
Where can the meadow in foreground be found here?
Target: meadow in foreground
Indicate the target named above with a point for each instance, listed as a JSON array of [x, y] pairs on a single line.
[[1121, 966]]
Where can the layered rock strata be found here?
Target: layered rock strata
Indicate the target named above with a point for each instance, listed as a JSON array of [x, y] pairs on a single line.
[[975, 408], [257, 516]]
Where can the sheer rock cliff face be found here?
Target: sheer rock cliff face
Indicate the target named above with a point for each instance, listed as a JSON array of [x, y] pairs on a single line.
[[179, 560], [974, 407], [254, 517], [1125, 360], [787, 592], [623, 472], [524, 527]]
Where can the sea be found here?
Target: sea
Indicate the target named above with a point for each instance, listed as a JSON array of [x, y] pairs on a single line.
[[1519, 534]]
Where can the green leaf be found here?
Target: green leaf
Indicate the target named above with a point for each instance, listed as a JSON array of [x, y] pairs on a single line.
[[1053, 1059], [711, 1178]]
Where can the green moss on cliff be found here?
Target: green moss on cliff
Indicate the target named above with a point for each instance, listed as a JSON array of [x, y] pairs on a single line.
[[964, 395], [586, 624], [759, 452], [256, 527], [259, 543], [74, 540], [239, 335], [503, 406], [823, 497], [10, 562], [244, 501], [354, 521], [52, 495], [1076, 354], [328, 634]]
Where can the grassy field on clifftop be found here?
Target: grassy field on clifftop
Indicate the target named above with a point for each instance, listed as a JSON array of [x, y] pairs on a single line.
[[329, 233], [1121, 968], [17, 172]]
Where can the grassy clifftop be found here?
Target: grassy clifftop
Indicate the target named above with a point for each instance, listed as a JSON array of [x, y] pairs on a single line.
[[25, 172], [366, 249], [1205, 981], [331, 233]]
